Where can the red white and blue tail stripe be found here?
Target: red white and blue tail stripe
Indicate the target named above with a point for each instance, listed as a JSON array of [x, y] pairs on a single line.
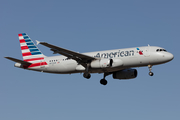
[[30, 51]]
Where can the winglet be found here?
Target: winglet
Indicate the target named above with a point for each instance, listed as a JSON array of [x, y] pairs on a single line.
[[37, 42]]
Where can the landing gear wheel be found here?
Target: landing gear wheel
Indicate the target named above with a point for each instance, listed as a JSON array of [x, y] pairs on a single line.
[[103, 81], [150, 68], [87, 75], [151, 73]]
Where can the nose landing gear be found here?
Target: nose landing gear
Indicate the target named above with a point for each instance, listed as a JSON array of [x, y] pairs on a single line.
[[150, 68], [151, 73]]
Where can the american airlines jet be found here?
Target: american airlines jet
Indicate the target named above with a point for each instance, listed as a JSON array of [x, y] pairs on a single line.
[[119, 62]]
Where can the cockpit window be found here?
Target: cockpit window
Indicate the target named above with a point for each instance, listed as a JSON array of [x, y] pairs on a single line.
[[161, 50]]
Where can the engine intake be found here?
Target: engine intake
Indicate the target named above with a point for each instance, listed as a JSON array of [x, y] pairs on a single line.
[[125, 74]]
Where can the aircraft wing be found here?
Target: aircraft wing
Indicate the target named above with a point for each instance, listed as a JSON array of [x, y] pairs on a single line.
[[80, 58], [18, 61]]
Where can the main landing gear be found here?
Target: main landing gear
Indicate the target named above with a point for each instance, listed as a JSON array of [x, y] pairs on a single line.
[[104, 81], [150, 68], [87, 75]]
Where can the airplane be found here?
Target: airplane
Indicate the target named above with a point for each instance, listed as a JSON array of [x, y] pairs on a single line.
[[120, 63]]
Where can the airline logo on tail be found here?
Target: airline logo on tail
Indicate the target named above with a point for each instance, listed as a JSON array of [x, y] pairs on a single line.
[[27, 46], [30, 51]]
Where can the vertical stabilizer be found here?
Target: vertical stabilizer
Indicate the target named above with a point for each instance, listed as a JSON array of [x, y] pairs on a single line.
[[28, 48], [30, 51]]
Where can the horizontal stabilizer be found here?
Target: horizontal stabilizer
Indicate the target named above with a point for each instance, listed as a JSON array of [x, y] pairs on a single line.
[[18, 61]]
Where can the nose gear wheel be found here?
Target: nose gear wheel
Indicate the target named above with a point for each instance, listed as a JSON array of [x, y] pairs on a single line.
[[150, 68]]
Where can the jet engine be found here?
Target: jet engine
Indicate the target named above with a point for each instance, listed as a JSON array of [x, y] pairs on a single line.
[[125, 74], [101, 63], [116, 62], [104, 63]]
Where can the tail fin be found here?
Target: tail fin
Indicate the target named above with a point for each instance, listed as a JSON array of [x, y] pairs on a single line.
[[30, 51]]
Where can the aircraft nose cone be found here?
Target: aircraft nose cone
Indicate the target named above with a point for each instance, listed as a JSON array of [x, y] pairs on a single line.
[[169, 56]]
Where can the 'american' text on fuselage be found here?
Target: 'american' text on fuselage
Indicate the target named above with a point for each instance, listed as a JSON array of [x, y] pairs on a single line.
[[115, 54]]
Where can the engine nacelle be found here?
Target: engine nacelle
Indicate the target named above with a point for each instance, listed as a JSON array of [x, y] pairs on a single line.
[[104, 63], [125, 74], [116, 62], [101, 63]]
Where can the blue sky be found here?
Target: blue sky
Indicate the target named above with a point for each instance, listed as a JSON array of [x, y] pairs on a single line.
[[85, 26]]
